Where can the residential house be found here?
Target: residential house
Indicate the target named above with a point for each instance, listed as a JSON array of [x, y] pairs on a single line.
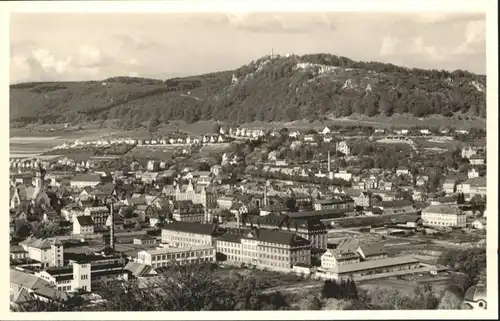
[[473, 173], [421, 180], [343, 147], [403, 170], [99, 215], [225, 202], [449, 185], [153, 166], [346, 176], [473, 187], [476, 160], [468, 152], [443, 216], [187, 211], [149, 177], [83, 225]]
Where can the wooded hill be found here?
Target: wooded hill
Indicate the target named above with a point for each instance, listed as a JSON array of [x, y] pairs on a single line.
[[310, 87]]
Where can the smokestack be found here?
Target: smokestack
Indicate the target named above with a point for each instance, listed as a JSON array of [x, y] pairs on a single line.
[[265, 195], [112, 230], [329, 162]]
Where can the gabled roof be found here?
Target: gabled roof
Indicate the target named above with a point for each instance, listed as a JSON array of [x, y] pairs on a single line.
[[139, 269], [85, 220], [373, 249], [36, 284], [443, 209], [196, 228], [86, 178]]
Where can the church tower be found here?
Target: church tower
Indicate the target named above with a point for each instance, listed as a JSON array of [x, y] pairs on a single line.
[[39, 181]]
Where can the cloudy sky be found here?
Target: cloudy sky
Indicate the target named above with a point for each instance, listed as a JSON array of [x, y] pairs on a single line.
[[163, 45]]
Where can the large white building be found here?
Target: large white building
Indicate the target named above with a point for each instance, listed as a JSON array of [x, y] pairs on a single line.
[[46, 251], [472, 187], [185, 234], [182, 255], [83, 275], [443, 216], [274, 250]]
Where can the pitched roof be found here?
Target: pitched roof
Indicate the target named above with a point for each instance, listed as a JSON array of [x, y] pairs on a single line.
[[138, 269], [372, 249], [396, 203], [373, 264], [85, 220], [443, 209], [476, 182], [36, 284], [86, 178], [38, 243], [196, 228]]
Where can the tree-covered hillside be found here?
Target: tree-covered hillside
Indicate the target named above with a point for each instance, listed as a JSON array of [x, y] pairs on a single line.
[[290, 88]]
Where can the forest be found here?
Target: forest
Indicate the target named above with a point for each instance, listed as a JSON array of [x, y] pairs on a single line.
[[310, 87]]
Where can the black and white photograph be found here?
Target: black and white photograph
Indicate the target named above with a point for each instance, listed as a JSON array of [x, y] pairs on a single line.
[[251, 160]]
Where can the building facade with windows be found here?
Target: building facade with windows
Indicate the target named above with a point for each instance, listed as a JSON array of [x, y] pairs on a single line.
[[311, 229], [99, 215], [443, 215], [46, 251], [162, 256], [274, 250], [184, 234], [187, 211], [83, 225], [83, 275]]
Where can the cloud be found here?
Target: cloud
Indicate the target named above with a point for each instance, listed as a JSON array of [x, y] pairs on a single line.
[[40, 64], [271, 23], [388, 46], [127, 42], [475, 38]]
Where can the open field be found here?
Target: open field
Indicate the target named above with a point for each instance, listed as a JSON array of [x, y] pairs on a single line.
[[397, 121], [163, 152], [213, 148]]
